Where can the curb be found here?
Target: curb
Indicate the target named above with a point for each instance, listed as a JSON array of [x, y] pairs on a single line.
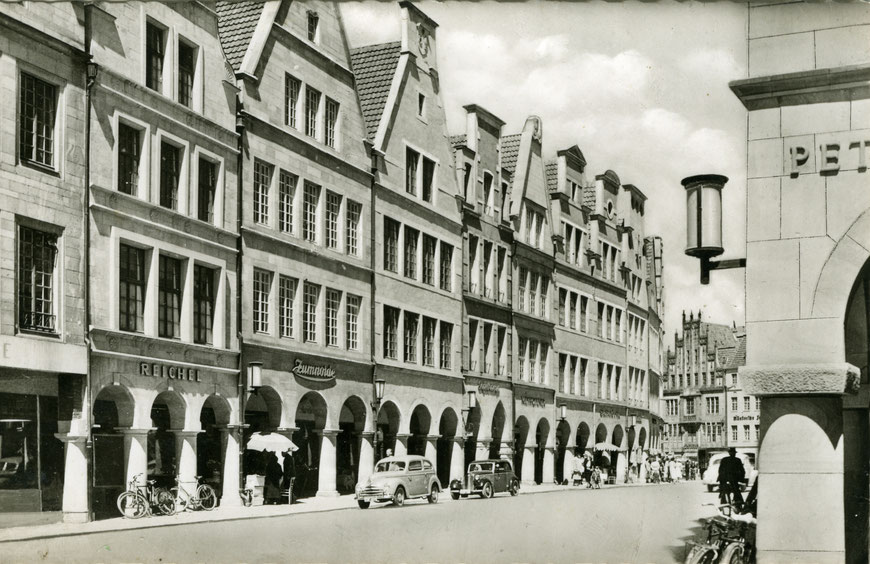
[[20, 534]]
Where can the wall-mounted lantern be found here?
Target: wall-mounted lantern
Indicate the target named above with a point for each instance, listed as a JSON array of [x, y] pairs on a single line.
[[704, 223], [563, 412], [255, 376]]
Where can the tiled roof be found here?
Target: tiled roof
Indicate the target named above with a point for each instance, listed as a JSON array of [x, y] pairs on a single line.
[[740, 353], [510, 148], [552, 171], [456, 140], [589, 196], [374, 67], [236, 24]]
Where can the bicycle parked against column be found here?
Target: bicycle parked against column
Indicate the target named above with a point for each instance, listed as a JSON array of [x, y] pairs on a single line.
[[142, 499], [726, 539], [203, 497]]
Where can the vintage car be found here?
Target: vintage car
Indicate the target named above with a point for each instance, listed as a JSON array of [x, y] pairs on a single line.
[[486, 478], [397, 478]]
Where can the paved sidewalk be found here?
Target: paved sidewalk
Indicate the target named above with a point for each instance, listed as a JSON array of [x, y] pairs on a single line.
[[307, 505]]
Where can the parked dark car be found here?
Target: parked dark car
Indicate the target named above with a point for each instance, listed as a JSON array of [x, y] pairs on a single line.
[[486, 478]]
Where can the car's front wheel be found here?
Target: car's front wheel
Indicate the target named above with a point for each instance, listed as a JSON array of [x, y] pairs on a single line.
[[486, 492], [399, 497], [363, 504], [515, 487], [433, 494]]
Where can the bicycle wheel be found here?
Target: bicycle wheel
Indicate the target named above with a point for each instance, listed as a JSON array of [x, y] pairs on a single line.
[[701, 555], [207, 497], [165, 501], [132, 505], [733, 554], [182, 499]]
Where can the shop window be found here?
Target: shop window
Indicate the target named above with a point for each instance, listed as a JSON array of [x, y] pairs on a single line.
[[261, 289], [37, 259], [155, 50], [310, 297], [351, 228], [391, 327], [37, 121], [262, 182], [206, 190], [286, 301], [129, 155], [333, 302], [351, 322], [186, 73], [446, 345], [292, 87], [203, 304], [170, 175], [169, 297], [333, 209], [286, 195], [131, 291]]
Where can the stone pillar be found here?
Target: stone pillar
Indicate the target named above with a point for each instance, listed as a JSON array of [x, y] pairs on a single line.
[[457, 459], [549, 465], [482, 450], [326, 473], [135, 454], [75, 484], [568, 464], [401, 445], [529, 465], [506, 451], [432, 449], [230, 475], [366, 456], [185, 458]]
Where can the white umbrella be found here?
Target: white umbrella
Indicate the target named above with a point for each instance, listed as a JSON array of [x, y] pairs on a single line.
[[271, 441], [606, 446]]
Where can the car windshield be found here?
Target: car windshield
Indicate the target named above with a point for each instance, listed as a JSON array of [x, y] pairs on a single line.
[[390, 466], [476, 467]]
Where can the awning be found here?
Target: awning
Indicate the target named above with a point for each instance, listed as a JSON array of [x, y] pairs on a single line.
[[608, 447]]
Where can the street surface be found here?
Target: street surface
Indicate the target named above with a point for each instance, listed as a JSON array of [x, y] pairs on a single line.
[[623, 524]]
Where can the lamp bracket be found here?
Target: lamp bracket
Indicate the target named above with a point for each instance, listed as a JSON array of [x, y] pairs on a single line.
[[708, 265]]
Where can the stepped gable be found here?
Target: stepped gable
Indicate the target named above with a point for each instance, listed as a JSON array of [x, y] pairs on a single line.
[[374, 67], [236, 24]]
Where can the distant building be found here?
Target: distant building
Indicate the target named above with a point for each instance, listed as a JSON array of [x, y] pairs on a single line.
[[743, 410]]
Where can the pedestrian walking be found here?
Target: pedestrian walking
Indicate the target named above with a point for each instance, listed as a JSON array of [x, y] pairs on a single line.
[[731, 474]]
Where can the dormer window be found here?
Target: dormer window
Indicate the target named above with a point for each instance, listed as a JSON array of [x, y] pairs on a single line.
[[313, 26]]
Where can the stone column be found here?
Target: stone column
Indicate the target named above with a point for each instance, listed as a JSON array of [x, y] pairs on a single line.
[[401, 445], [482, 450], [135, 454], [75, 484], [457, 459], [549, 465], [326, 473], [185, 458], [366, 456], [568, 464], [506, 451], [230, 476], [529, 465], [432, 449]]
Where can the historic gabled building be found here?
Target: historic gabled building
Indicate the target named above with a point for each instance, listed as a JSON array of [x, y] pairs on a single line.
[[418, 226], [306, 237]]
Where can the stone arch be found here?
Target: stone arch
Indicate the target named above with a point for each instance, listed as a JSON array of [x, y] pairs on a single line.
[[214, 414], [311, 415], [448, 425], [168, 414], [264, 409], [542, 440], [114, 407], [419, 425], [521, 437], [497, 430], [221, 408], [841, 269], [472, 428], [176, 407], [563, 440], [641, 438], [600, 433], [352, 420], [387, 427], [581, 440]]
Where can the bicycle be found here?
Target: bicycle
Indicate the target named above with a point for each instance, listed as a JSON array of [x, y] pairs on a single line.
[[204, 496], [140, 499], [726, 541]]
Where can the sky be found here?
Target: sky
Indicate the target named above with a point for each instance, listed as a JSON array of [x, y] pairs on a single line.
[[641, 88]]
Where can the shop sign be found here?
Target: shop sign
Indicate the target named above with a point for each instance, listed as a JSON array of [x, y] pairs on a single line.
[[829, 153], [487, 389], [609, 412], [533, 401], [745, 417], [314, 372], [171, 372]]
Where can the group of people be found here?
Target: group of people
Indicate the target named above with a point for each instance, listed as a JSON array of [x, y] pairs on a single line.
[[586, 471], [278, 487], [669, 469]]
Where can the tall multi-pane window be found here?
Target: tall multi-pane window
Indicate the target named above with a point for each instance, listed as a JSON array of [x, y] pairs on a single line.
[[170, 174], [427, 187], [310, 201], [429, 244], [410, 336], [411, 237], [333, 209], [262, 287], [746, 432], [545, 290], [128, 159], [330, 122], [310, 297], [37, 255], [446, 345], [522, 343], [169, 289], [286, 302], [154, 51], [446, 266], [312, 108], [746, 403], [203, 304], [521, 290], [333, 303], [313, 22], [391, 332], [186, 72], [351, 322], [533, 361], [733, 432], [757, 404], [391, 245], [262, 182], [734, 405], [534, 279], [572, 321], [563, 297], [131, 289], [286, 194], [206, 190], [428, 341], [292, 86], [353, 214], [412, 159]]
